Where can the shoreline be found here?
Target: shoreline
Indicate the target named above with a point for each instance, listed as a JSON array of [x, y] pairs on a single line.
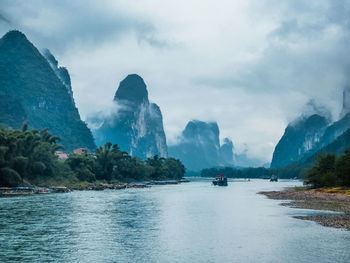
[[327, 199], [83, 186]]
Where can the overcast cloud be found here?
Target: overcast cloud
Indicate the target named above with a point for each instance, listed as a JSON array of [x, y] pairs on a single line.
[[252, 66]]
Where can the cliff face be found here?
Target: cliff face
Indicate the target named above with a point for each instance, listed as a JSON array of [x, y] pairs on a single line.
[[61, 72], [137, 126], [337, 146], [330, 139], [308, 136], [346, 102], [299, 137], [226, 152], [199, 147], [334, 130], [32, 91]]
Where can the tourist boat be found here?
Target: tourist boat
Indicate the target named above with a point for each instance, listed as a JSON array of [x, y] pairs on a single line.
[[43, 190], [220, 180], [274, 178], [15, 191]]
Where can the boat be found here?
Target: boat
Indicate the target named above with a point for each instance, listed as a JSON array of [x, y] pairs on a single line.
[[43, 190], [15, 191], [220, 180], [274, 178]]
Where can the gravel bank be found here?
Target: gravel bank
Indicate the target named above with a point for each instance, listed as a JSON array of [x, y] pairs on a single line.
[[318, 200]]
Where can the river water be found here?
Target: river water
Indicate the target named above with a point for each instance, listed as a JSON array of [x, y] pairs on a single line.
[[192, 222]]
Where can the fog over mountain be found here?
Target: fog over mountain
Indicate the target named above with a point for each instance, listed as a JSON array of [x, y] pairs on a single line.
[[346, 102], [251, 66], [299, 137], [311, 132], [136, 125], [199, 147]]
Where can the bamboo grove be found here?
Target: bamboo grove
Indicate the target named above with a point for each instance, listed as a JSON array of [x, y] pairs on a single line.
[[27, 157]]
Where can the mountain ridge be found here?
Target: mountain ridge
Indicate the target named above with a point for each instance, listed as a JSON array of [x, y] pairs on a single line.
[[29, 82], [199, 146], [137, 125]]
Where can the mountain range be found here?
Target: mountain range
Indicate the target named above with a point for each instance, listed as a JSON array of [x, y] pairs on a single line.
[[37, 90]]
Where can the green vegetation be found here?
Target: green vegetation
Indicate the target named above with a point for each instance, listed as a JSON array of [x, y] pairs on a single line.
[[321, 175], [31, 91], [28, 157], [290, 171], [330, 170]]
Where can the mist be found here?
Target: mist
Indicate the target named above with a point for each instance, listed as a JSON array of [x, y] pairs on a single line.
[[252, 66]]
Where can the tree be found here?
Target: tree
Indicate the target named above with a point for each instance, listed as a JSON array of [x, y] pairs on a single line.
[[173, 168], [323, 173], [155, 164], [342, 168], [82, 166], [109, 159], [27, 154]]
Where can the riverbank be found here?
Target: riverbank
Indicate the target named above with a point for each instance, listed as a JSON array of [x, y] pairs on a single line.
[[117, 186], [330, 199], [81, 186]]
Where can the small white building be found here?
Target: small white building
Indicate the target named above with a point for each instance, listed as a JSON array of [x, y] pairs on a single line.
[[61, 155], [81, 151]]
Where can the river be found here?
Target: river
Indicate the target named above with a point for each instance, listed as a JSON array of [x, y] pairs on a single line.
[[191, 222]]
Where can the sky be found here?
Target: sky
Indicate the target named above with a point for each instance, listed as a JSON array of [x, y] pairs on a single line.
[[253, 66]]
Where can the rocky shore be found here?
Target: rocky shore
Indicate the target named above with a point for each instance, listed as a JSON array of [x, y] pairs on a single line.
[[29, 190], [330, 199]]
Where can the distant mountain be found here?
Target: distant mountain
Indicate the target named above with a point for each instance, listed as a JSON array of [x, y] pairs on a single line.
[[199, 147], [337, 146], [299, 137], [336, 139], [33, 91], [137, 125], [334, 130], [307, 136], [226, 152], [346, 102], [244, 160]]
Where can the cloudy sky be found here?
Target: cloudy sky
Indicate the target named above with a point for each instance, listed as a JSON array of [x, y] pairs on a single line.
[[250, 65]]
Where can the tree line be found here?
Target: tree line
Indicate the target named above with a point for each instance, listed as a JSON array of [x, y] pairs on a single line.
[[28, 157], [330, 170], [290, 171]]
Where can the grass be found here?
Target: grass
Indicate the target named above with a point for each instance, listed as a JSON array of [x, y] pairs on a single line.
[[80, 185], [326, 190], [333, 204], [299, 188], [334, 190]]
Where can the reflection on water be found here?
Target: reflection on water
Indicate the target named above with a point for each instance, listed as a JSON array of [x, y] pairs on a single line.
[[192, 222]]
